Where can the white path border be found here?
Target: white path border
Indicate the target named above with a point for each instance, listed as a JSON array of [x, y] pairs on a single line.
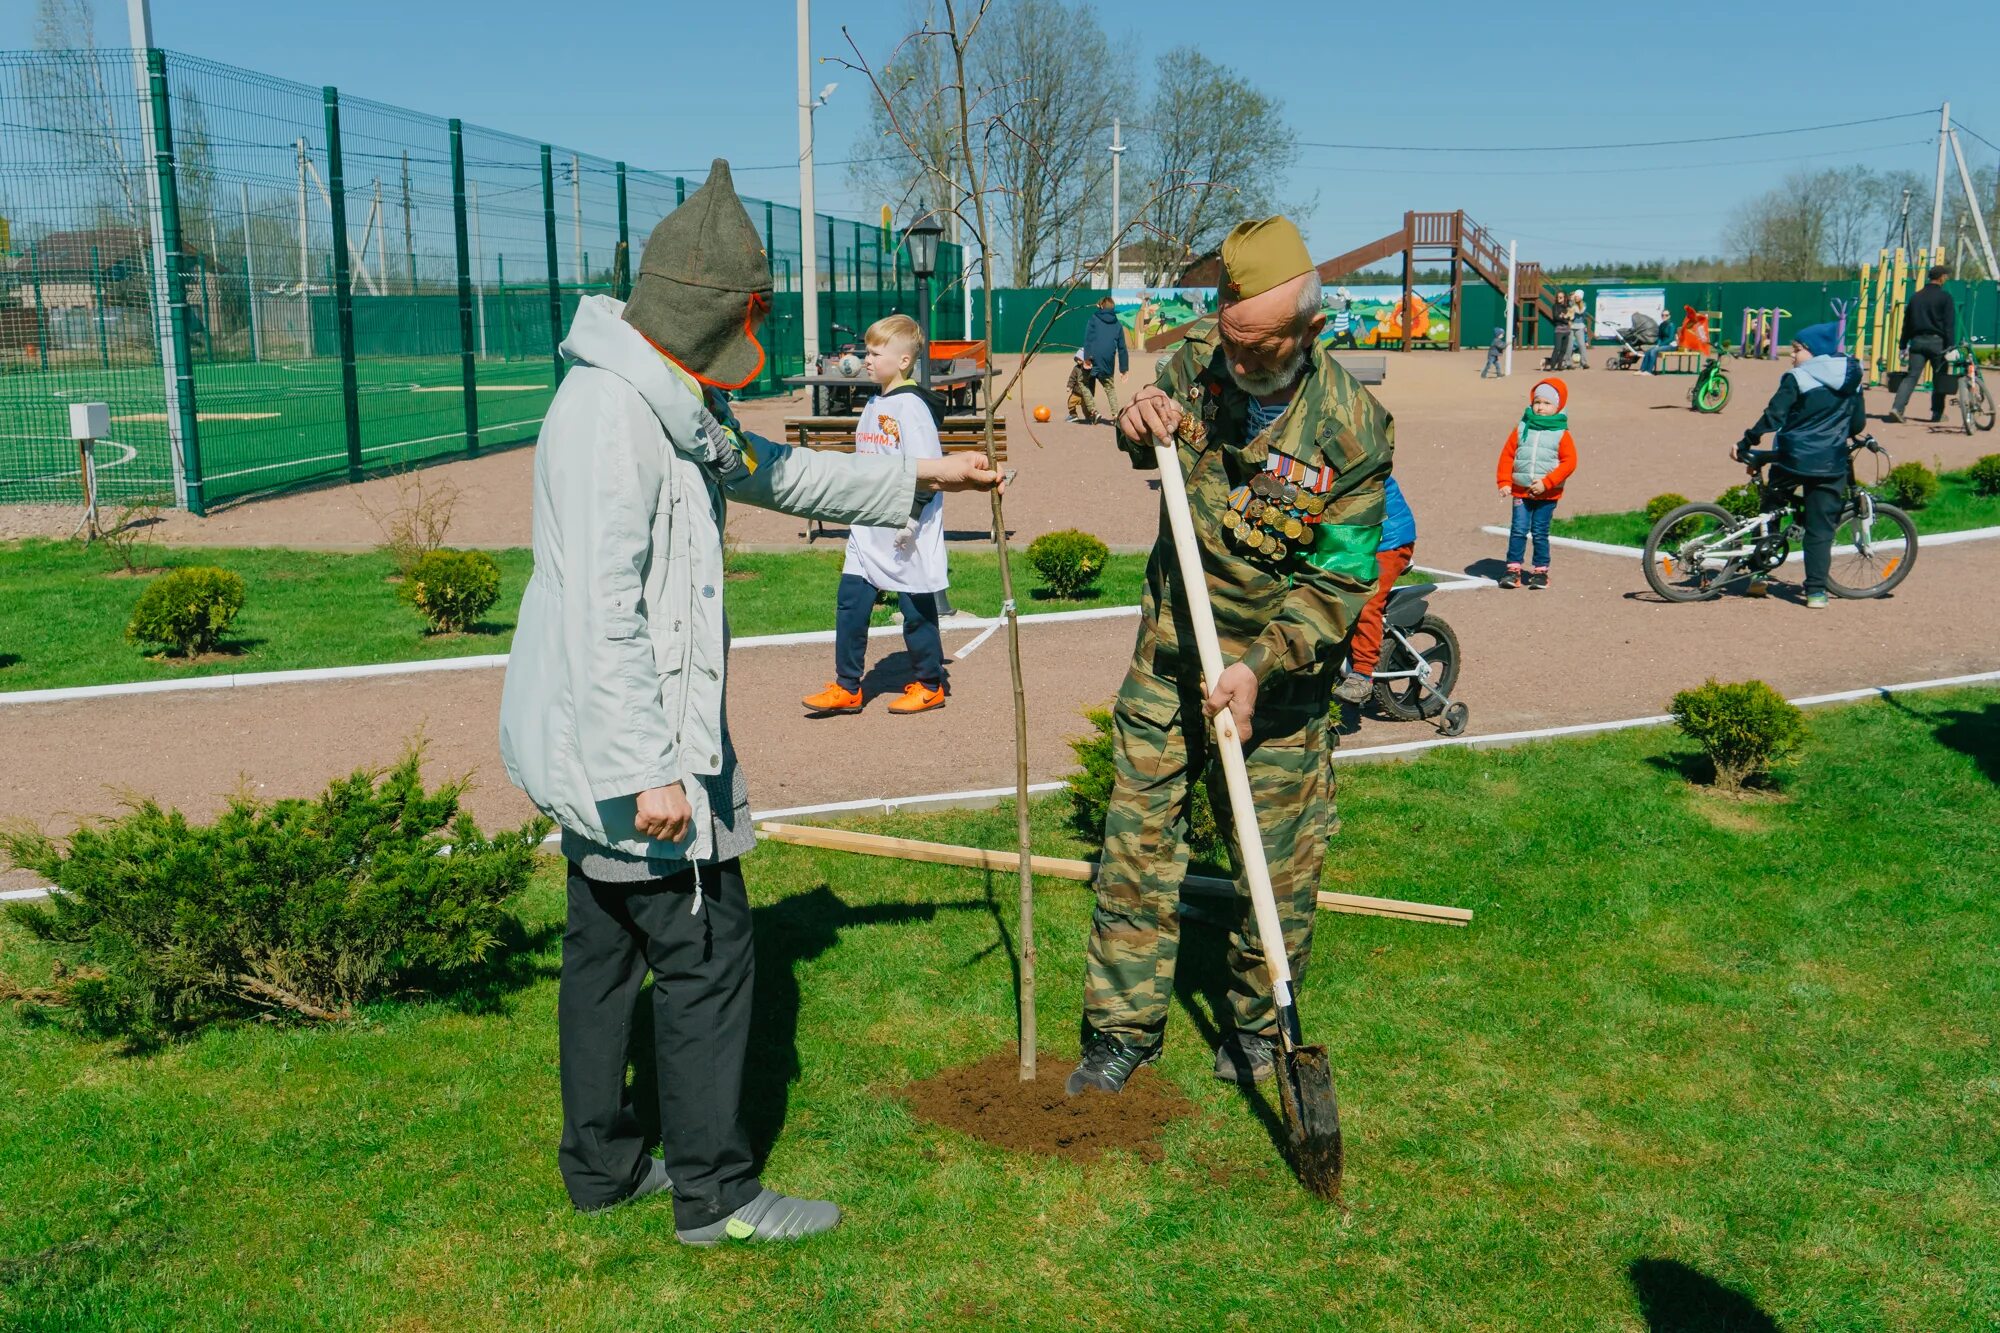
[[1639, 552], [987, 797]]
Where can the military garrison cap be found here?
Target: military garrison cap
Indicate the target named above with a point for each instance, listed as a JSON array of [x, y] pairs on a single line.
[[1262, 254], [701, 276]]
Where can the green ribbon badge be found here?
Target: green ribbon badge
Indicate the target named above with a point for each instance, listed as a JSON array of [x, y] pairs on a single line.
[[1346, 548]]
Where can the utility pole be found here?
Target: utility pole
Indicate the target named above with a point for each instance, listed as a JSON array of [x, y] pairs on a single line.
[[576, 211], [1972, 207], [1117, 154], [409, 241], [808, 240], [1937, 198]]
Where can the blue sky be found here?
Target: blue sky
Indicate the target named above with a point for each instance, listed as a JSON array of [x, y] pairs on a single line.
[[670, 85]]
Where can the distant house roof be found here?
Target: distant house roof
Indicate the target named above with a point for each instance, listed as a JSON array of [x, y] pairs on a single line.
[[66, 250]]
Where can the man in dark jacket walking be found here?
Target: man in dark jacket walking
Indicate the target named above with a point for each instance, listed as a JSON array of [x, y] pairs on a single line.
[[1929, 326], [1815, 411], [1104, 356]]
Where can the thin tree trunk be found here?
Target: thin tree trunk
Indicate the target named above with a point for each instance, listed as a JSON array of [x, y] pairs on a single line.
[[1007, 607]]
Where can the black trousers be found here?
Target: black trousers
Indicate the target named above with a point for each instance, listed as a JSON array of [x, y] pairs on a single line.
[[1925, 350], [1821, 498], [853, 605], [703, 970]]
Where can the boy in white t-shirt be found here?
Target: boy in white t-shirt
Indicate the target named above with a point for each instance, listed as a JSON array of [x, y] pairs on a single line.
[[902, 419]]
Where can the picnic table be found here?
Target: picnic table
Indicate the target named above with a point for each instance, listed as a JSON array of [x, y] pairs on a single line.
[[959, 385]]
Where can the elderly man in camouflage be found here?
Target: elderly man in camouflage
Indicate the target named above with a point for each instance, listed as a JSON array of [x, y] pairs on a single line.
[[1285, 456]]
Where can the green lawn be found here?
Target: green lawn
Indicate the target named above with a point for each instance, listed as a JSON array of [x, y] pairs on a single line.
[[1955, 509], [1697, 1064], [62, 619]]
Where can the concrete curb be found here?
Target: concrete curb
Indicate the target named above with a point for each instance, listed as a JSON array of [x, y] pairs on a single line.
[[1639, 552]]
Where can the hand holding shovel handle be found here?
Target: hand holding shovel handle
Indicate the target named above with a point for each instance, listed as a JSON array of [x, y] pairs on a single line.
[[1305, 1087]]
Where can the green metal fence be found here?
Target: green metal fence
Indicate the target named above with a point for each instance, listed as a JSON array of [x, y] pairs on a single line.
[[356, 286]]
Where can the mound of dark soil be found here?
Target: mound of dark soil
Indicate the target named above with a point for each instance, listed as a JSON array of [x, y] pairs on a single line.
[[989, 1101]]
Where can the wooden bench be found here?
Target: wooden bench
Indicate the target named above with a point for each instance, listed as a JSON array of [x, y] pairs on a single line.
[[1366, 369], [958, 435], [1680, 363]]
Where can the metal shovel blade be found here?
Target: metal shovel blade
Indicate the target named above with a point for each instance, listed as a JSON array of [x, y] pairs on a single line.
[[1312, 1118]]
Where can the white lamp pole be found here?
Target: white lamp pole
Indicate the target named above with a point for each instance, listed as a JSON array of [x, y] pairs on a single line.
[[1507, 316], [1117, 154], [808, 241]]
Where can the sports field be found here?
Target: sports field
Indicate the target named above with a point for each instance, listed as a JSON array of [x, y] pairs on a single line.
[[264, 425]]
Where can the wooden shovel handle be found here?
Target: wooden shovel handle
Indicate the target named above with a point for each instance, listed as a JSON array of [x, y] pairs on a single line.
[[1228, 743]]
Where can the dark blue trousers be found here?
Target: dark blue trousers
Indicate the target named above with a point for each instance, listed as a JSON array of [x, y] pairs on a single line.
[[850, 633]]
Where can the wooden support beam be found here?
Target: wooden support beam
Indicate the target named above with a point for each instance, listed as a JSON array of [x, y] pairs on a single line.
[[1056, 867]]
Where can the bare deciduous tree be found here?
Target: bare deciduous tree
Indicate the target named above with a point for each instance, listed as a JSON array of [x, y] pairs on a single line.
[[1215, 151], [74, 94], [1049, 165]]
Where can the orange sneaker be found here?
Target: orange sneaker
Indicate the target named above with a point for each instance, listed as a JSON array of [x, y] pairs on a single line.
[[917, 698], [835, 698]]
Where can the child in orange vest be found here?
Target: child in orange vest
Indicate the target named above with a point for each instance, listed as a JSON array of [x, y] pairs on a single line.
[[1537, 459]]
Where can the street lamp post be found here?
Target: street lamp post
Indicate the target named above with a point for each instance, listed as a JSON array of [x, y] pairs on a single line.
[[921, 239]]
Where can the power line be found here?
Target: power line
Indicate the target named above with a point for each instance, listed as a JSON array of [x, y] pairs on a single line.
[[1961, 125], [1626, 171], [1600, 147]]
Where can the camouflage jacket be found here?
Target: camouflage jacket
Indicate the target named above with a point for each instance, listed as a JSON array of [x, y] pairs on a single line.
[[1288, 522]]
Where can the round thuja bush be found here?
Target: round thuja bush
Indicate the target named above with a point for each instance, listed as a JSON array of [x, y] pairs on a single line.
[[1741, 500], [1985, 476], [1068, 561], [1909, 485], [453, 588], [1744, 728], [186, 611], [1660, 506]]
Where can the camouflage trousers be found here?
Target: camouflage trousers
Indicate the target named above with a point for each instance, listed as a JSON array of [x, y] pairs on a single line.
[[1161, 746]]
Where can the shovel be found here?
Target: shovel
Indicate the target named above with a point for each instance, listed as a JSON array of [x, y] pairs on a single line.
[[1305, 1081]]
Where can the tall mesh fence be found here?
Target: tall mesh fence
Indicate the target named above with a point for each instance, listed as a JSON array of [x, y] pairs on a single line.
[[264, 306]]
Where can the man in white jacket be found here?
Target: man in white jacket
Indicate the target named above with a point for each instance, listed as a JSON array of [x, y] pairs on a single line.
[[612, 717]]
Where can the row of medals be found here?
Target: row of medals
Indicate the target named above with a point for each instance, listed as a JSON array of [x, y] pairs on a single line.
[[1272, 517]]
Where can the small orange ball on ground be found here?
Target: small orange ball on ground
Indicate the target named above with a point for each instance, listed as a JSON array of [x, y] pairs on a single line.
[[1042, 412]]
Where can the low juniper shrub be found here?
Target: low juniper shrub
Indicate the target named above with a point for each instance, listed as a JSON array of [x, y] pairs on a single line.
[[297, 909], [453, 589], [1069, 561], [1744, 728], [187, 611]]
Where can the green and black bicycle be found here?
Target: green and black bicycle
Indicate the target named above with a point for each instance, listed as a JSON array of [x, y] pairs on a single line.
[[1696, 551], [1710, 392]]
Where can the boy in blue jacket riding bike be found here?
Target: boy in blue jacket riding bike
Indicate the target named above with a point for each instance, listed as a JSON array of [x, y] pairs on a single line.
[[1816, 410]]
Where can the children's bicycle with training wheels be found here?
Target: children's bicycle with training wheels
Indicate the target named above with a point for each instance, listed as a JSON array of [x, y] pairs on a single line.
[[1419, 666], [1975, 400], [1698, 550], [1710, 393]]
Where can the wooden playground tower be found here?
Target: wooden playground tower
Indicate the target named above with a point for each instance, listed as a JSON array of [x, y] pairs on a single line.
[[1427, 238]]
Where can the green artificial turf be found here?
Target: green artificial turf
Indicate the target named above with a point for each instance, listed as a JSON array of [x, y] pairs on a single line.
[[1956, 508], [1697, 1064]]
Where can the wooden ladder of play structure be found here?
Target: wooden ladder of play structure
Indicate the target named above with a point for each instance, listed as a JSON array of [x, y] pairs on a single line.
[[1429, 238]]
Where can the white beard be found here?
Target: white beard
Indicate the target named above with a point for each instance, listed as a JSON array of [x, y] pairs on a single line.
[[1275, 381]]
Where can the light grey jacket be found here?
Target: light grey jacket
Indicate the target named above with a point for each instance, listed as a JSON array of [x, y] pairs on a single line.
[[615, 682]]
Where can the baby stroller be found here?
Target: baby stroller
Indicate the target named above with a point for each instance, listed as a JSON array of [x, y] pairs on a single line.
[[1419, 666], [1634, 342]]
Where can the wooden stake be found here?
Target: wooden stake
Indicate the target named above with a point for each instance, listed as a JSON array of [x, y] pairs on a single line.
[[1056, 867]]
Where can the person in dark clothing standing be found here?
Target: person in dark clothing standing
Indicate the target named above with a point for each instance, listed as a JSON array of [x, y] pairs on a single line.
[[1816, 410], [1104, 355], [1929, 326]]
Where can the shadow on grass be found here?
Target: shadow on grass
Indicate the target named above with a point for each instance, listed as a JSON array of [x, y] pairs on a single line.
[[1674, 1298], [521, 956], [1202, 977], [1699, 771], [789, 932], [1975, 733], [9, 659]]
